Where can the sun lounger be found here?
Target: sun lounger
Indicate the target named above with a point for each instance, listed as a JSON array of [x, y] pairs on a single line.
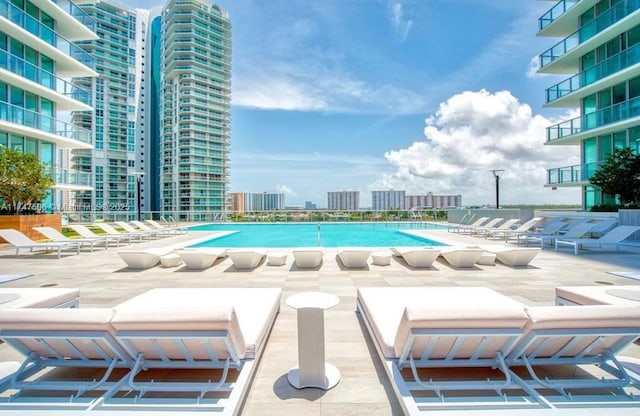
[[354, 258], [513, 256], [160, 227], [576, 231], [612, 238], [246, 259], [56, 236], [598, 295], [85, 232], [132, 231], [18, 240], [158, 232], [482, 222], [417, 257], [506, 233], [108, 229], [200, 258], [461, 257], [143, 258], [550, 230], [308, 258], [40, 297], [496, 228]]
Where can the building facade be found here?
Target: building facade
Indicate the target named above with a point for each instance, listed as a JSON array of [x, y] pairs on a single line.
[[599, 50], [256, 201], [432, 201], [116, 93], [195, 109], [386, 200], [38, 59], [343, 200]]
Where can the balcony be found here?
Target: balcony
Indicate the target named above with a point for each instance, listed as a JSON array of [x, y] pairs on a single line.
[[576, 175], [70, 179], [555, 12], [604, 120], [49, 37], [52, 83], [623, 60], [79, 14], [30, 123], [588, 31]]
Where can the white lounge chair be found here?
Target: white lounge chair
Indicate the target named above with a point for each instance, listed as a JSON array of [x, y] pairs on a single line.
[[496, 228], [200, 258], [461, 257], [506, 233], [598, 295], [55, 235], [144, 258], [310, 258], [246, 259], [576, 231], [612, 238], [39, 297], [108, 229], [417, 257], [513, 256], [483, 221], [163, 232], [158, 226], [85, 232], [355, 258], [130, 230], [19, 240], [551, 229]]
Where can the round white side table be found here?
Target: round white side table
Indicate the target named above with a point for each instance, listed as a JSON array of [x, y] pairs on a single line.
[[312, 370]]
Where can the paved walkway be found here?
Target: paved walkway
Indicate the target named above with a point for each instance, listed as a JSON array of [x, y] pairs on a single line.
[[364, 389]]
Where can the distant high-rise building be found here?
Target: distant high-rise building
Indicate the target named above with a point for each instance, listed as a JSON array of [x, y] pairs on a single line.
[[386, 200], [195, 108], [344, 200], [258, 201], [310, 205], [599, 52], [432, 201], [38, 58]]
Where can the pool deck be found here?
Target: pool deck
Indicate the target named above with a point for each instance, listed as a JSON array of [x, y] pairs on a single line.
[[364, 389]]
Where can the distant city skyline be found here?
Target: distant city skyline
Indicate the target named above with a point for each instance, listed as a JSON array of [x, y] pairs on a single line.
[[389, 94]]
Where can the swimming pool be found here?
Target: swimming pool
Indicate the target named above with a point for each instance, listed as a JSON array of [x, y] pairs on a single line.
[[271, 235]]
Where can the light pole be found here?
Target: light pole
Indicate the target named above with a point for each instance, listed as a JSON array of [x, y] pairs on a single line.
[[496, 174], [138, 176]]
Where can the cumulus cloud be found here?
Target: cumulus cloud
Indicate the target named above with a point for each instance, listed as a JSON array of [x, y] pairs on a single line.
[[401, 25], [534, 65], [471, 134], [284, 189]]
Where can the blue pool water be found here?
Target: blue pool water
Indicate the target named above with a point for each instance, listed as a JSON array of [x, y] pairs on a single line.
[[306, 235]]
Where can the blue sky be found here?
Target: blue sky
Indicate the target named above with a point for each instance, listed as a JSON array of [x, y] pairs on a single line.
[[415, 95]]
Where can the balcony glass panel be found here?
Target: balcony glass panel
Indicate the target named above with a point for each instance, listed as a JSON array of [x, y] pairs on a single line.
[[555, 12], [28, 118], [571, 174], [69, 177], [20, 18], [79, 14], [600, 118], [33, 73], [602, 70], [589, 30]]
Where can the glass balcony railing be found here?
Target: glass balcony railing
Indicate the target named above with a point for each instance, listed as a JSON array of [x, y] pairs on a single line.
[[31, 72], [589, 30], [69, 177], [597, 72], [79, 14], [36, 28], [571, 174], [613, 114], [555, 12], [28, 118]]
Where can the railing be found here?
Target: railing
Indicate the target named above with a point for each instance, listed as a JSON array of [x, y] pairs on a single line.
[[555, 12], [33, 73], [28, 118], [69, 177], [610, 66], [48, 35], [589, 30], [613, 114], [571, 174], [79, 14]]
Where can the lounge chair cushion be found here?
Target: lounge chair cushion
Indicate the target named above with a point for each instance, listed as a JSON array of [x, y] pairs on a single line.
[[385, 306], [39, 297], [597, 295], [180, 320], [461, 317], [588, 317]]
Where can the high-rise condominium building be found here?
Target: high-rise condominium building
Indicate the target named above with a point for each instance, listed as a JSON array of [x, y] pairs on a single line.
[[599, 50], [344, 200], [256, 201], [195, 93], [117, 94], [432, 201], [38, 58], [386, 200]]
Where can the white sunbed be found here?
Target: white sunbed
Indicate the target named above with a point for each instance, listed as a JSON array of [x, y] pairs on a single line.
[[513, 256], [506, 232], [85, 232], [200, 258], [158, 226], [354, 258], [159, 232], [612, 238], [417, 257], [55, 235], [18, 240], [496, 228], [39, 297], [143, 258], [246, 259], [461, 257], [480, 222], [550, 230], [130, 230], [308, 258], [576, 231], [598, 295], [108, 229]]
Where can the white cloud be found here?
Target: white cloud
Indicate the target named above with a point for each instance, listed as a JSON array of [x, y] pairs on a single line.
[[534, 65], [401, 25], [284, 189], [472, 133]]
